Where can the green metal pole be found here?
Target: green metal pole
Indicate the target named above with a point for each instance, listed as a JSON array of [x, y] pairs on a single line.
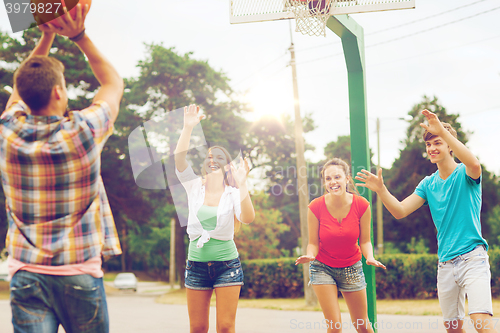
[[351, 34]]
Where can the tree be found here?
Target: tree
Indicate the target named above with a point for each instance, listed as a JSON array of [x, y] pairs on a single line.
[[260, 239], [271, 142]]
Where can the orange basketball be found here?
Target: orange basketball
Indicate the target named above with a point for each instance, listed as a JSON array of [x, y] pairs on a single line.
[[45, 10]]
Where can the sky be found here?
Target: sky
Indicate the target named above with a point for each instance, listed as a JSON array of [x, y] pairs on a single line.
[[447, 48]]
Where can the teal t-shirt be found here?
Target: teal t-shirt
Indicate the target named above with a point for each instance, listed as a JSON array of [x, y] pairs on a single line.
[[455, 205], [214, 249]]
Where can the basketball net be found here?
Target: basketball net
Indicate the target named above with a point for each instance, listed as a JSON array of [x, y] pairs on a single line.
[[311, 15]]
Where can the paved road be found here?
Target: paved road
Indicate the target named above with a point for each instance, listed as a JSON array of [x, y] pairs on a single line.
[[136, 313]]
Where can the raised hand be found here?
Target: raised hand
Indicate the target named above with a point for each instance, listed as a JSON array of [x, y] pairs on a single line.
[[304, 259], [370, 181], [68, 26], [241, 174], [435, 126], [375, 263], [192, 116]]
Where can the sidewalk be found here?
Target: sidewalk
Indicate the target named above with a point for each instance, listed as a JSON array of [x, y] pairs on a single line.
[[130, 313]]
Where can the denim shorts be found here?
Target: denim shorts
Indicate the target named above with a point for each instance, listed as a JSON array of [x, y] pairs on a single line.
[[468, 274], [40, 303], [349, 278], [213, 274]]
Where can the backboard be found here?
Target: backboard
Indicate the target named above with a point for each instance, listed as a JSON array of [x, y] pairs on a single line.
[[246, 11]]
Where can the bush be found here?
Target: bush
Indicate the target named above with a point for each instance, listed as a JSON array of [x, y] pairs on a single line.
[[272, 278], [408, 276]]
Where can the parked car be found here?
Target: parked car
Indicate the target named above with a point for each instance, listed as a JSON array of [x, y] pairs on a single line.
[[126, 281]]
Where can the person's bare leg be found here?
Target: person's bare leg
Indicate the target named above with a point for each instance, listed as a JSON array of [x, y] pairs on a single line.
[[358, 309], [199, 309], [327, 297], [226, 304], [483, 322]]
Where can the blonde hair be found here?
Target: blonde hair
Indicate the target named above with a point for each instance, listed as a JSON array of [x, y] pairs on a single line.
[[351, 187]]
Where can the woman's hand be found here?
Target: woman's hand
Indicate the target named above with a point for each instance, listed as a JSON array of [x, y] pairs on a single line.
[[304, 259], [192, 116], [375, 263], [240, 175]]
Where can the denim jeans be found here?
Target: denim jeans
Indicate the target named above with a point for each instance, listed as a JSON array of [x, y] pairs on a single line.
[[41, 302]]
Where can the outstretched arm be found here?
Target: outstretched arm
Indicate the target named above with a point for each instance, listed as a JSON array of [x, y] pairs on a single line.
[[240, 175], [313, 246], [365, 242], [42, 48], [111, 89], [472, 165], [398, 209], [191, 119]]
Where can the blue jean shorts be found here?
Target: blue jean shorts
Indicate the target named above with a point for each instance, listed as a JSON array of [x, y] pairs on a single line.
[[213, 274], [347, 279], [40, 303]]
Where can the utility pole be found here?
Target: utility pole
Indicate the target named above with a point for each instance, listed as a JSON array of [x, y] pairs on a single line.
[[380, 221], [171, 271], [303, 190]]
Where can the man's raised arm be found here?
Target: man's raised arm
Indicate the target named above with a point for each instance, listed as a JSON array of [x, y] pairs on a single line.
[[111, 89]]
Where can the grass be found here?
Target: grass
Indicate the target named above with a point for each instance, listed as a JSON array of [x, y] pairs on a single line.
[[427, 307], [4, 290]]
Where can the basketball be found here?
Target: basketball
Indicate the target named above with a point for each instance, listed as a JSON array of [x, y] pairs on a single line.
[[46, 9], [319, 7]]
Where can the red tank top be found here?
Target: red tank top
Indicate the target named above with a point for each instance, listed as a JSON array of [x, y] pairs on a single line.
[[338, 242]]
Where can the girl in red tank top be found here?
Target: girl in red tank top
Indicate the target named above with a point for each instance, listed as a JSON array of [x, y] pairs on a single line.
[[337, 220]]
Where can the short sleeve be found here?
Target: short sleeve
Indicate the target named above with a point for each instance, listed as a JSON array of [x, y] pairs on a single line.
[[315, 206], [13, 108], [421, 189], [362, 205], [98, 118], [471, 181]]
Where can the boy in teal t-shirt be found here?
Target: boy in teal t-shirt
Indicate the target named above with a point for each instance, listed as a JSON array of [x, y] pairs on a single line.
[[453, 194]]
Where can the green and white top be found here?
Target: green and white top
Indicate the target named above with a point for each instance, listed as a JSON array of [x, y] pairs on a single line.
[[214, 249]]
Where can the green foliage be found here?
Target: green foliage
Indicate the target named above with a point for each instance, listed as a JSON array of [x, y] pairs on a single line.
[[272, 278], [493, 222], [260, 239], [272, 149], [417, 247], [408, 276]]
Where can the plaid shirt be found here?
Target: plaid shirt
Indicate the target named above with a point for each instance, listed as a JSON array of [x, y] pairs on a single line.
[[57, 209]]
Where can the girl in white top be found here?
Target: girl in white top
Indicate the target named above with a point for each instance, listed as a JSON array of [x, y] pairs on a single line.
[[214, 202]]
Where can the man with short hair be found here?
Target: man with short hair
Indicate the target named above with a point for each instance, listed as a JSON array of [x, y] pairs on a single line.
[[60, 221], [453, 194]]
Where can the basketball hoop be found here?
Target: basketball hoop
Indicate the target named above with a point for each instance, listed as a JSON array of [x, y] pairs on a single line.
[[311, 15]]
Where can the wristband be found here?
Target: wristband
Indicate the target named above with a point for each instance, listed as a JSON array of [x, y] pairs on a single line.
[[78, 37]]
